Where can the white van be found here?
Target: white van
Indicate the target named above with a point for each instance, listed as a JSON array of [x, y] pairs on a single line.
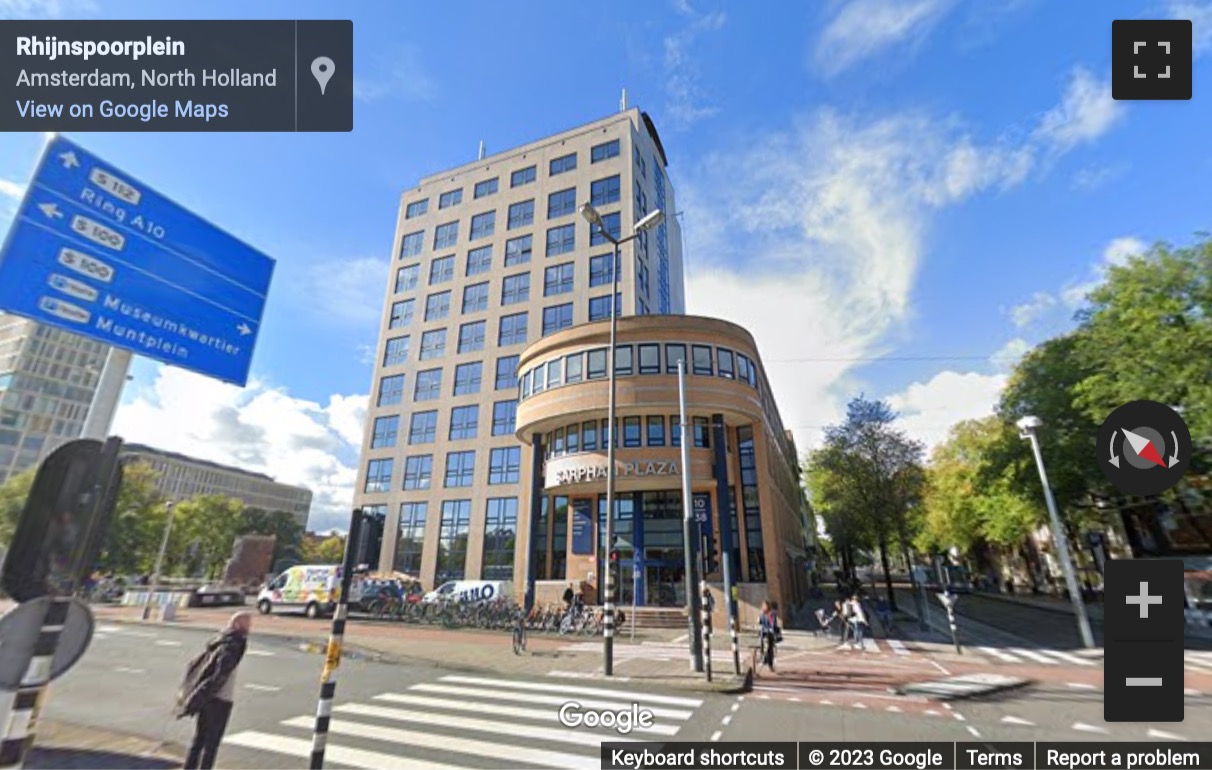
[[470, 591], [313, 588]]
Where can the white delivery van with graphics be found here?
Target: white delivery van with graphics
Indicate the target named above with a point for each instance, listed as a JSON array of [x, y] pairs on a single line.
[[469, 591], [312, 588]]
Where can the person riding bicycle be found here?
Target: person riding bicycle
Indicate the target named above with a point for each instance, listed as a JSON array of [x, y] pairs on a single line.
[[770, 632]]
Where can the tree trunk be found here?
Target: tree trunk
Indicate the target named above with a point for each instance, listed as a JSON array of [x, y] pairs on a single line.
[[887, 574]]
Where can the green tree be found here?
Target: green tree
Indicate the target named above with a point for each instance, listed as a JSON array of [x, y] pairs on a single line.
[[327, 550], [288, 533], [204, 530], [12, 502], [136, 529]]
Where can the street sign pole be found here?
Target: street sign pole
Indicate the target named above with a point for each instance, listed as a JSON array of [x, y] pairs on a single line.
[[948, 599], [104, 406], [332, 657], [155, 577], [688, 530]]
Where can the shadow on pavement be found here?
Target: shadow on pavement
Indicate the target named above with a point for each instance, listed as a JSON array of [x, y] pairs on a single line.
[[78, 759]]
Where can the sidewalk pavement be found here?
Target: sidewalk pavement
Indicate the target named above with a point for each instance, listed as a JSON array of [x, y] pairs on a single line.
[[63, 746], [470, 650]]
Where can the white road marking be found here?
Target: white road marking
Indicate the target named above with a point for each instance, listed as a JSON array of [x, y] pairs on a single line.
[[1033, 655], [1071, 658], [108, 629], [974, 731], [860, 705], [940, 668], [141, 634], [959, 717], [680, 639], [1165, 735], [167, 643], [716, 736], [795, 700], [1085, 728], [545, 700], [571, 674], [261, 653], [1082, 686], [826, 703], [1010, 720], [898, 646], [727, 720], [933, 713], [1189, 691], [502, 753], [492, 708], [262, 687], [125, 670], [341, 755], [669, 700], [736, 706], [893, 709], [998, 654], [542, 734]]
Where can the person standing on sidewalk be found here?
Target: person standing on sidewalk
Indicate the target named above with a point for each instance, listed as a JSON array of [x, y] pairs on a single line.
[[209, 688], [769, 623], [858, 620]]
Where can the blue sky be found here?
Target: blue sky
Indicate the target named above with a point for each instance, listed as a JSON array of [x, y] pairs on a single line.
[[921, 179]]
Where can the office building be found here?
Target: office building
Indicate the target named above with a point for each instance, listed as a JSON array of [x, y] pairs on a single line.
[[180, 477], [492, 264], [47, 381]]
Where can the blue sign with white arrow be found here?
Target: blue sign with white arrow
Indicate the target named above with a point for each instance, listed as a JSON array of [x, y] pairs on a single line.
[[96, 252]]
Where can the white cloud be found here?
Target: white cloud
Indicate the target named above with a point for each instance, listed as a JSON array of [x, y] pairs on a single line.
[[45, 9], [929, 409], [1095, 177], [864, 28], [403, 76], [1010, 353], [258, 428], [1030, 312], [11, 189], [348, 291], [1200, 14], [1086, 113], [685, 101], [1120, 250]]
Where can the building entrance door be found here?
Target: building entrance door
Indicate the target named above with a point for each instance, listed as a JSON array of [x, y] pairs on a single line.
[[665, 575]]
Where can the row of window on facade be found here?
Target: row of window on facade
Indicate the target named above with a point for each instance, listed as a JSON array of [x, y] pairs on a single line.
[[591, 365], [454, 526], [518, 178], [637, 432], [511, 330], [464, 425], [428, 385], [504, 466]]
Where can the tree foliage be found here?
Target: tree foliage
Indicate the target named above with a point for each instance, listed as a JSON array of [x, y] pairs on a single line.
[[324, 550]]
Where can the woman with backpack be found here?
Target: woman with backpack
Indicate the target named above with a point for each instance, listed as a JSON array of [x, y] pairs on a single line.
[[770, 631], [209, 688]]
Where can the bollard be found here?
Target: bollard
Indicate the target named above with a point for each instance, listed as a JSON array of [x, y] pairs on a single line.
[[708, 605], [18, 735]]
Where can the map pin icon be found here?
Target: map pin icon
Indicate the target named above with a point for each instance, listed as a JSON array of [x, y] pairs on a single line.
[[322, 68]]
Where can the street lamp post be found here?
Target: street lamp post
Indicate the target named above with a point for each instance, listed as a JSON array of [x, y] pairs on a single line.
[[1027, 429], [595, 220], [155, 578]]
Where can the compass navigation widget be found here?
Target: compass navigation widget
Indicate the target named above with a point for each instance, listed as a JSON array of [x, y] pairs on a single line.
[[1144, 448]]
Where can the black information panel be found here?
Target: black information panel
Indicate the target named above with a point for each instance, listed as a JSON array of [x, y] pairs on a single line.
[[935, 755], [176, 76]]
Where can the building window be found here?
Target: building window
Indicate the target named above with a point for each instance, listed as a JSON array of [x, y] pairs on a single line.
[[633, 435], [742, 368], [429, 385], [556, 318], [460, 469], [563, 164], [521, 214], [726, 368], [396, 351], [517, 250], [418, 471], [650, 359], [641, 276], [391, 390], [464, 423], [589, 436], [407, 278], [471, 336], [500, 538], [673, 354], [504, 418], [446, 235], [441, 270], [562, 203], [575, 368], [559, 538], [606, 431], [483, 225], [452, 540], [561, 240], [411, 244], [539, 375], [603, 192], [507, 373], [751, 504], [557, 442], [599, 307], [378, 475], [479, 260], [437, 306], [448, 199], [639, 162], [702, 359], [504, 465], [558, 279], [433, 344], [597, 364], [467, 378], [401, 314], [522, 176], [416, 209], [411, 537], [702, 432], [599, 270], [424, 428], [513, 330], [487, 187], [515, 289], [624, 363], [574, 439], [656, 430], [613, 226], [606, 151], [475, 298], [553, 374], [675, 430], [386, 429]]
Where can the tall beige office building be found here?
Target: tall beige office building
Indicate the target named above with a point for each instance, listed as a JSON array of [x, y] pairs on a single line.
[[489, 258], [47, 381]]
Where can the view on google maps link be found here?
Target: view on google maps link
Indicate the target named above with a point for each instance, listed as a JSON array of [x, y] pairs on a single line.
[[675, 384]]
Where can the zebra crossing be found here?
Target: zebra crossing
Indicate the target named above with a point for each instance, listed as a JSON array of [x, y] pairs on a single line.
[[468, 722], [1198, 661], [1037, 656]]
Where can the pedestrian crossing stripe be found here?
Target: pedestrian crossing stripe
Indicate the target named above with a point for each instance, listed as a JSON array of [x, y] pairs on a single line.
[[1045, 657], [480, 718]]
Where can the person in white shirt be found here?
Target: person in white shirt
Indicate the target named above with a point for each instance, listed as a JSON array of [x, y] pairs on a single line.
[[858, 620]]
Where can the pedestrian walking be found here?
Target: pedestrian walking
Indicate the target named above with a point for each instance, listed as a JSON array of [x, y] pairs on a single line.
[[208, 690], [858, 621], [771, 633]]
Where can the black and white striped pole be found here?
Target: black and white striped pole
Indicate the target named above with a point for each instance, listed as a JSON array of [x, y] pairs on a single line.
[[336, 639], [948, 599], [708, 605], [23, 716]]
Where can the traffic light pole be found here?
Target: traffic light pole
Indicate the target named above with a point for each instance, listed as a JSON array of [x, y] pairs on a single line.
[[688, 531], [608, 626]]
